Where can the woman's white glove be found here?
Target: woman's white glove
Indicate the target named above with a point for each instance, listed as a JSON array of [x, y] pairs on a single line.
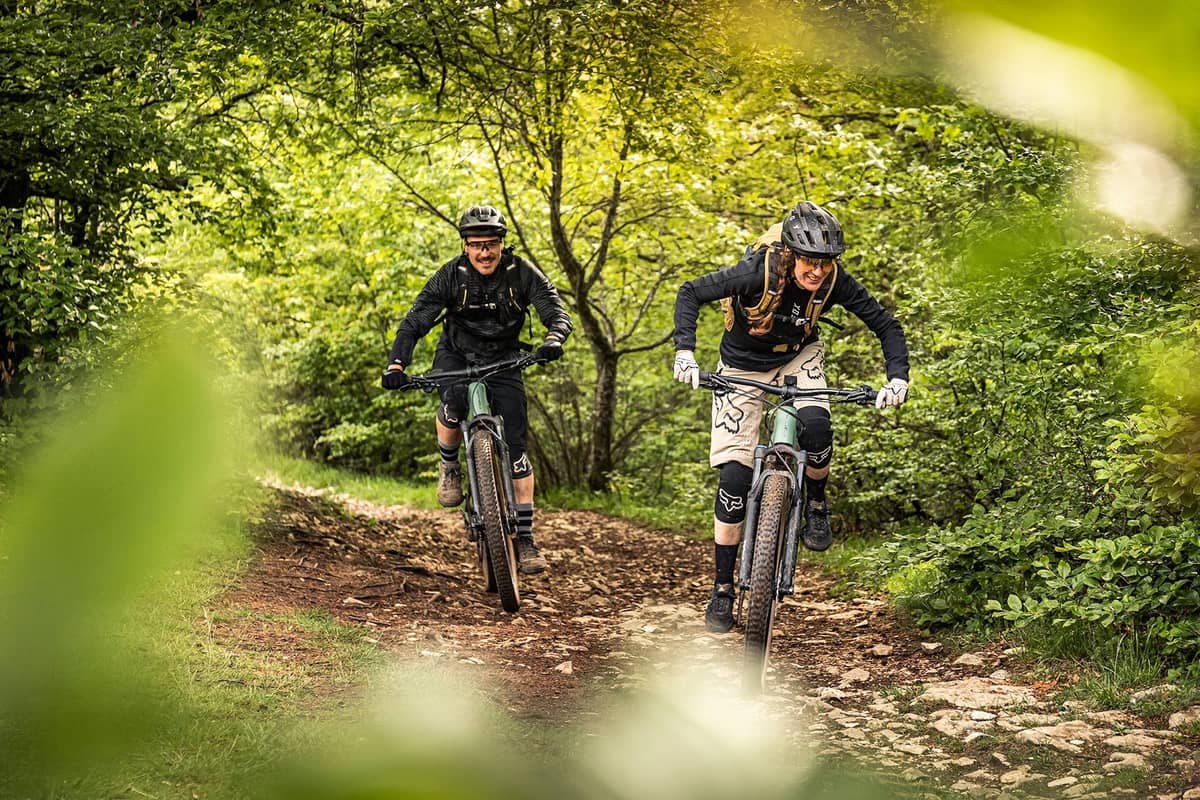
[[895, 393], [686, 368]]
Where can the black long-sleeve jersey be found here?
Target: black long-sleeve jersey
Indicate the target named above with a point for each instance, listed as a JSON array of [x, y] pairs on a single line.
[[744, 283], [483, 317]]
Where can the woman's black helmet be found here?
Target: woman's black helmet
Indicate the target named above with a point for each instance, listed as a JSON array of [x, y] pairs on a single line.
[[482, 221], [812, 231]]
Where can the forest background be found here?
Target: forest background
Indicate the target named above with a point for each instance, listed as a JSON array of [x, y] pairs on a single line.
[[1017, 186]]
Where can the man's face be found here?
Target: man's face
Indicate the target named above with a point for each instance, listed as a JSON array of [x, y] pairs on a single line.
[[483, 252], [810, 273]]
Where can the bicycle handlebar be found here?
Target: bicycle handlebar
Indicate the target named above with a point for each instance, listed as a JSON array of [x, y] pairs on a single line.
[[864, 395], [433, 380]]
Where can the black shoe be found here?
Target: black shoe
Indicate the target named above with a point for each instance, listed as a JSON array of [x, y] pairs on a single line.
[[529, 559], [817, 535], [718, 617]]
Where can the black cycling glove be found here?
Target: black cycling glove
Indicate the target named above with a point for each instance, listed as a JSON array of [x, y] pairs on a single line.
[[550, 351], [394, 379]]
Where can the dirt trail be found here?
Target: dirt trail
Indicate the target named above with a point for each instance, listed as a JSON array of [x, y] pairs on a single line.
[[617, 598]]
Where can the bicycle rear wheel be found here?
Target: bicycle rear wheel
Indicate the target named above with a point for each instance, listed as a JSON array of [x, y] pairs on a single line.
[[764, 569], [501, 558]]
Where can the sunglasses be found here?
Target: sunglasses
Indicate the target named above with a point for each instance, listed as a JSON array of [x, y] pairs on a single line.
[[484, 246]]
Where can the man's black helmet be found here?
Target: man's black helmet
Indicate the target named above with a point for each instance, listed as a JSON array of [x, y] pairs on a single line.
[[812, 231], [482, 221]]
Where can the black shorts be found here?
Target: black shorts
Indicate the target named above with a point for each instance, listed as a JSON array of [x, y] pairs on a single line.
[[506, 393]]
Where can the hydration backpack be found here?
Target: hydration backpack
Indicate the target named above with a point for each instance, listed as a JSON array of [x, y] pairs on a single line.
[[760, 318]]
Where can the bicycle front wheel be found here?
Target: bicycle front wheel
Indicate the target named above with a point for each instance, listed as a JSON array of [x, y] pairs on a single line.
[[493, 508], [764, 570]]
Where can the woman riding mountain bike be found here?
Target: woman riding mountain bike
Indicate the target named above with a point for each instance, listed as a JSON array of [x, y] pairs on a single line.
[[773, 299], [774, 508]]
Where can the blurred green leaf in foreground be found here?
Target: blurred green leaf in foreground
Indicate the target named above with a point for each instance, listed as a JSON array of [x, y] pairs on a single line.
[[121, 492]]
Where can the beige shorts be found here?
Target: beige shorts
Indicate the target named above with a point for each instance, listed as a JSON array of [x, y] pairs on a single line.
[[738, 416]]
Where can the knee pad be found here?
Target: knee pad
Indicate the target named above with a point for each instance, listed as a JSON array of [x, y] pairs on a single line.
[[448, 416], [521, 466], [734, 485], [817, 437]]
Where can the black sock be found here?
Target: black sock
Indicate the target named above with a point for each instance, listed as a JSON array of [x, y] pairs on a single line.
[[725, 555], [525, 520], [815, 488], [449, 453]]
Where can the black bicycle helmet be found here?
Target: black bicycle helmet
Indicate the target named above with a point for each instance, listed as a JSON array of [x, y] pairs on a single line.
[[482, 221], [812, 231]]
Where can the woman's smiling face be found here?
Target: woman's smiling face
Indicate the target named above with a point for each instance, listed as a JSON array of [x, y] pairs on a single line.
[[810, 272]]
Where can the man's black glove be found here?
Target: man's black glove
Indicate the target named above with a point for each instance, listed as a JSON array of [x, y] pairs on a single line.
[[394, 379], [551, 350]]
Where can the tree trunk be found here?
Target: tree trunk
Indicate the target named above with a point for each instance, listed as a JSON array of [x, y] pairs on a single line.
[[604, 417], [14, 194]]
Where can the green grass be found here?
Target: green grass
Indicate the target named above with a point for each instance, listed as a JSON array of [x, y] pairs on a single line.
[[1101, 668], [232, 705], [373, 488]]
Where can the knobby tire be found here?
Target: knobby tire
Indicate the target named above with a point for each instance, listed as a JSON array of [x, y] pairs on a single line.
[[492, 508], [760, 611]]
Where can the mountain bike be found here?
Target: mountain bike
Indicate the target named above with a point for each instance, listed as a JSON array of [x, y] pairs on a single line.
[[489, 503], [774, 511]]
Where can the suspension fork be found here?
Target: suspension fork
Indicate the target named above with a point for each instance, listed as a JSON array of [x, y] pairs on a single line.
[[784, 459], [480, 418]]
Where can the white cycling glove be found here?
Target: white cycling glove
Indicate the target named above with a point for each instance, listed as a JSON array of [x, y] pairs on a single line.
[[895, 393], [686, 368]]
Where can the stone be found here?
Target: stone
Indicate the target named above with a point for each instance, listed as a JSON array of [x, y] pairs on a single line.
[[1153, 693], [856, 675], [1065, 736], [1113, 717], [982, 716], [968, 660], [955, 727], [1069, 780], [1118, 761], [881, 650], [1020, 775], [977, 693], [931, 647], [1185, 717], [1133, 741], [912, 748]]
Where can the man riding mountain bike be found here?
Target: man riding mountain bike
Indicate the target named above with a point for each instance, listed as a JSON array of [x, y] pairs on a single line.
[[773, 298], [483, 295]]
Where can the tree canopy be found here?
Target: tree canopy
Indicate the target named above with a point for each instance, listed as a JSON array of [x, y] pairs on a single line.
[[291, 174]]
